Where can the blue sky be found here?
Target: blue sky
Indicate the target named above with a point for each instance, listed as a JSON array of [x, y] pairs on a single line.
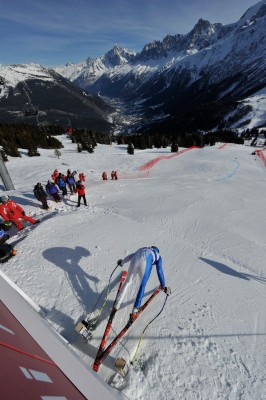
[[53, 32]]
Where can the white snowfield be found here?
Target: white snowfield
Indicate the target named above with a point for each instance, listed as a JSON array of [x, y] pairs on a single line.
[[205, 210]]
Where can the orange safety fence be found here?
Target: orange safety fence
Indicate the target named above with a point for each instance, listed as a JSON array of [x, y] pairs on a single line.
[[222, 146], [261, 156], [144, 169]]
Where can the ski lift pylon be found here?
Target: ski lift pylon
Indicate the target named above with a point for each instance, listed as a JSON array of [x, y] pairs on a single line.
[[30, 110]]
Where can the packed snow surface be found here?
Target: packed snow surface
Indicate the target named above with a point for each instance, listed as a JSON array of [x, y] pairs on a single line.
[[204, 209]]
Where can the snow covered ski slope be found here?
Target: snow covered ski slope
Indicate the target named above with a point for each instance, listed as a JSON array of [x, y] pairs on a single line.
[[205, 210]]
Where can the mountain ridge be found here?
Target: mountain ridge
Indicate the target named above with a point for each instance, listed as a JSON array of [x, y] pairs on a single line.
[[35, 94], [212, 63], [197, 81]]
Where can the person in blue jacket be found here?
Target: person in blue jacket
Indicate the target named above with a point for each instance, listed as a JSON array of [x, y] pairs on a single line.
[[141, 263], [52, 189]]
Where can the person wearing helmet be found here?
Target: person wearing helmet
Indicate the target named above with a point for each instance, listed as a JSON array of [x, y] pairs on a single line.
[[141, 263], [4, 199], [11, 211]]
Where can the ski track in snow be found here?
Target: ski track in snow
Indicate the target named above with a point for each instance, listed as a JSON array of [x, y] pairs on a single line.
[[190, 352]]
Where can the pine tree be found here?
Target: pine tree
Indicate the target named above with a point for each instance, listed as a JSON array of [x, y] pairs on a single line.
[[130, 148], [57, 153], [174, 148]]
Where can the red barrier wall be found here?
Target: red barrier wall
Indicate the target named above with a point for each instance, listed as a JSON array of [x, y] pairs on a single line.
[[223, 145], [261, 156], [26, 371], [151, 163]]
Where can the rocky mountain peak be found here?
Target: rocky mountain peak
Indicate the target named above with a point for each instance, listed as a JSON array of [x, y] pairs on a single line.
[[202, 34], [117, 56]]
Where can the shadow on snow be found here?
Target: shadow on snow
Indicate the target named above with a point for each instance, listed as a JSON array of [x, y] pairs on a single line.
[[230, 271]]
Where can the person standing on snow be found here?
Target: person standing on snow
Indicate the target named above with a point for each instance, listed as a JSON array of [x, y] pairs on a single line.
[[55, 175], [70, 180], [80, 189], [11, 211], [141, 263], [82, 177], [60, 182]]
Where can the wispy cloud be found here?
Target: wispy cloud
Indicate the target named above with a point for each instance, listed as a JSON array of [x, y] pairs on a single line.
[[93, 27]]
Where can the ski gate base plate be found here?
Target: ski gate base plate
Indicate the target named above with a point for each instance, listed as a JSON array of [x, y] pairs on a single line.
[[84, 331], [120, 364]]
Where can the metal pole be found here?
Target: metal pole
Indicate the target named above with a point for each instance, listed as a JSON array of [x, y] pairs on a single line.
[[5, 175]]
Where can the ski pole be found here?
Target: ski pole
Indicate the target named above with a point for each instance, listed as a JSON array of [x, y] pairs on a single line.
[[142, 334], [105, 299]]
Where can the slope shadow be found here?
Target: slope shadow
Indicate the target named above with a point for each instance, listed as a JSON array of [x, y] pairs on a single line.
[[230, 271], [24, 202], [29, 227], [68, 259], [68, 332]]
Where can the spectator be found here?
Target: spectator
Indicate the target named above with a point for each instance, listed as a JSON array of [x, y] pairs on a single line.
[[41, 195], [11, 211], [82, 177], [61, 183], [4, 227], [52, 189], [70, 180], [81, 193], [54, 175]]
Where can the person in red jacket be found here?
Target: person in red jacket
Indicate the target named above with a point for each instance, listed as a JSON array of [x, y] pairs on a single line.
[[55, 175], [80, 189], [82, 177], [11, 211]]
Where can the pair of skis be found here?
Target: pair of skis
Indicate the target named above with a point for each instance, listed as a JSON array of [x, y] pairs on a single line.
[[102, 351], [22, 233]]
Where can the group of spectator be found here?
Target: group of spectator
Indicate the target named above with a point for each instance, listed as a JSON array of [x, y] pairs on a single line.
[[61, 182], [113, 175], [13, 213]]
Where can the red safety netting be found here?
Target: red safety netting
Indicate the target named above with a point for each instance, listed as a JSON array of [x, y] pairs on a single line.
[[145, 168], [261, 156]]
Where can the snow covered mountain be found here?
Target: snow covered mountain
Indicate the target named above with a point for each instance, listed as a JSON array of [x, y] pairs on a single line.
[[197, 80], [29, 92], [213, 77]]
